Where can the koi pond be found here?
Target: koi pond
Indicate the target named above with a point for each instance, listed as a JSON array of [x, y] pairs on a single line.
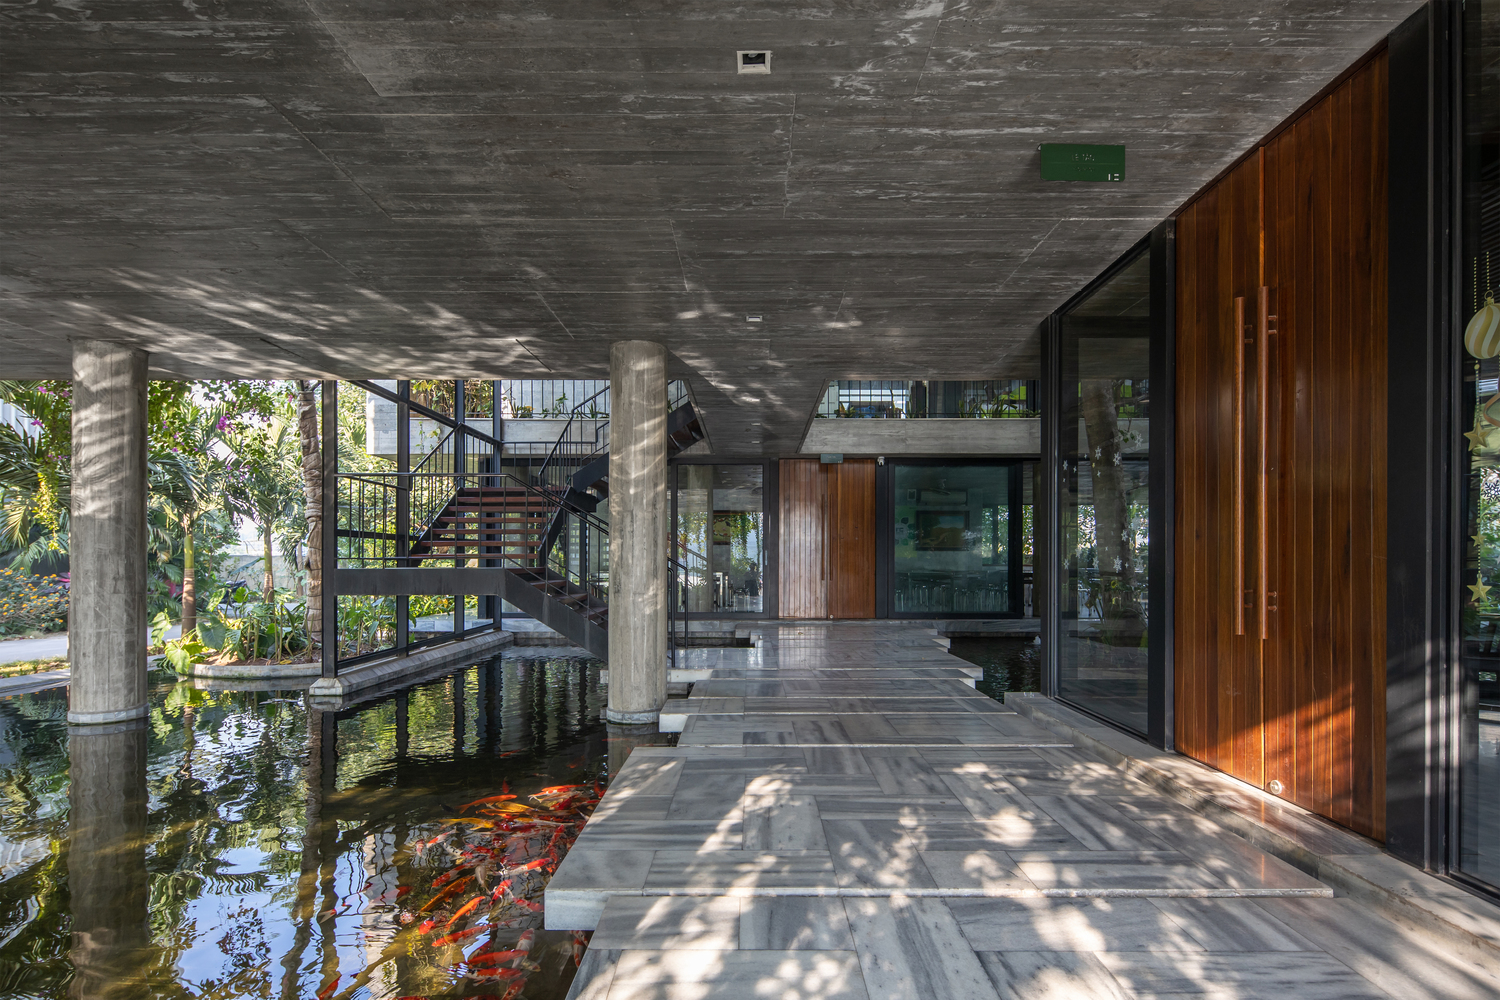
[[241, 844]]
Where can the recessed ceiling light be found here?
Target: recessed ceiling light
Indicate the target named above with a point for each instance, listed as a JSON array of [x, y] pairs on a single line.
[[753, 318], [753, 61]]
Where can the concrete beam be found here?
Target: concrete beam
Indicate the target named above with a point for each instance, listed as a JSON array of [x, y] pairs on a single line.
[[637, 531], [1017, 437], [107, 536]]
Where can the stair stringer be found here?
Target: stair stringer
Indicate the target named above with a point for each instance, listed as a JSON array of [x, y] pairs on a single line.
[[556, 615]]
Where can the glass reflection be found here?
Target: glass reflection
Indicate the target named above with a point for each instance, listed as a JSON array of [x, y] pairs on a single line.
[[1103, 504], [953, 544], [720, 538], [1479, 586]]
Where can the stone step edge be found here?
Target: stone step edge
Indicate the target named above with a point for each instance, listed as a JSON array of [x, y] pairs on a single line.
[[580, 909], [1404, 909]]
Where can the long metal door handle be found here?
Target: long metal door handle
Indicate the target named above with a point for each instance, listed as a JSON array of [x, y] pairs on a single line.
[[1239, 465], [1266, 328]]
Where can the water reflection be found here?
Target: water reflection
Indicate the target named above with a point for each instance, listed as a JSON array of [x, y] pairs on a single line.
[[240, 844], [108, 886]]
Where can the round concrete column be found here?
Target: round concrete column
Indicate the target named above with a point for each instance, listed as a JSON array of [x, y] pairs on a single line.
[[107, 537], [637, 531]]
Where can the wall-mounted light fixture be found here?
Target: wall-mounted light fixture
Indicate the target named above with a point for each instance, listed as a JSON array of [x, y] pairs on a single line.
[[754, 61]]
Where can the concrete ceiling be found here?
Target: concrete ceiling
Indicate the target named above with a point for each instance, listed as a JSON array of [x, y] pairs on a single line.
[[435, 188]]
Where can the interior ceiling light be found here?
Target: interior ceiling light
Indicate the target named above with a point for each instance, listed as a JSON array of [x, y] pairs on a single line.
[[753, 318], [754, 61]]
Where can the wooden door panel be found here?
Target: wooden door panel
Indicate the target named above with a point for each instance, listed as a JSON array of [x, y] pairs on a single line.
[[851, 526], [801, 591], [1305, 708]]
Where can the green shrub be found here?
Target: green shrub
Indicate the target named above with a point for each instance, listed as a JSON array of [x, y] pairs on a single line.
[[32, 603]]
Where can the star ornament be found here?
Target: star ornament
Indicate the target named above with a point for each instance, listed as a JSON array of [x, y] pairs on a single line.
[[1481, 592], [1477, 437]]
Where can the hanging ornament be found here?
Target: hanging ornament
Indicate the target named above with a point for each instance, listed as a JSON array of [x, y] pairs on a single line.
[[1482, 335]]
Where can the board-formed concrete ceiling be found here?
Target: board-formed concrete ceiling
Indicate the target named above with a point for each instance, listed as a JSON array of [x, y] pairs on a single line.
[[499, 188]]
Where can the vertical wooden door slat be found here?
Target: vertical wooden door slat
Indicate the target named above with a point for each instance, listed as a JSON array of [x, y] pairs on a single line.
[[1306, 707]]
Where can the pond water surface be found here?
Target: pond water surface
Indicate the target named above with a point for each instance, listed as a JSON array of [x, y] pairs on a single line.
[[240, 844]]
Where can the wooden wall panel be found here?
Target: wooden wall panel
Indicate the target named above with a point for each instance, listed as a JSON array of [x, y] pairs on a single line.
[[851, 531], [801, 591], [1304, 216]]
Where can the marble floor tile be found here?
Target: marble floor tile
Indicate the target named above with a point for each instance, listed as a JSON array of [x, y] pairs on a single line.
[[870, 728], [836, 761], [1096, 824], [1232, 925], [912, 948], [794, 923], [669, 922], [738, 975], [602, 870], [1406, 963], [906, 809], [991, 871], [866, 855], [595, 975], [905, 774], [704, 800], [783, 822], [642, 835], [812, 783], [740, 870], [1051, 975], [819, 730], [627, 806], [1091, 925], [1116, 870], [1305, 975], [647, 775]]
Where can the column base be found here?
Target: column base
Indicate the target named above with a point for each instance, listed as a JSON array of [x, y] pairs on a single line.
[[103, 718], [632, 718]]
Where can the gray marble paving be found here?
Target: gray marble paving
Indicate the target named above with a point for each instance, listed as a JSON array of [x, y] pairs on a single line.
[[811, 836]]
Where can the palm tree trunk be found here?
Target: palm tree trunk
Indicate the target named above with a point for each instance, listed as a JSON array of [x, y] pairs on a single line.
[[270, 584], [189, 593], [312, 491]]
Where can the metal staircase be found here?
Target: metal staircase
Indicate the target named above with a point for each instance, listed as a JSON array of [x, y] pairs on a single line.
[[548, 535]]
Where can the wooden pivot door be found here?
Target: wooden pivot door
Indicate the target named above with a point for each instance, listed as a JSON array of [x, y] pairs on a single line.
[[1281, 410], [827, 555]]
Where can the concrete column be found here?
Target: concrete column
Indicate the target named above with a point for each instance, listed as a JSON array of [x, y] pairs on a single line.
[[637, 531], [107, 538], [109, 888]]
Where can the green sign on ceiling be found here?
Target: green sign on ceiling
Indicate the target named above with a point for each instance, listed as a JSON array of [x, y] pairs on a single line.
[[1065, 161]]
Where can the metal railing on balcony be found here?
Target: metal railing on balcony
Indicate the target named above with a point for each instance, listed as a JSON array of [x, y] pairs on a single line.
[[585, 439], [898, 399]]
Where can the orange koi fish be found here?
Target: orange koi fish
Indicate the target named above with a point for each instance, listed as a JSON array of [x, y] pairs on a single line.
[[448, 876], [457, 936], [466, 909], [500, 889], [494, 957], [452, 890], [489, 798], [327, 991]]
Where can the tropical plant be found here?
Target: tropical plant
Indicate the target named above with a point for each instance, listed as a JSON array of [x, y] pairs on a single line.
[[269, 491], [194, 478]]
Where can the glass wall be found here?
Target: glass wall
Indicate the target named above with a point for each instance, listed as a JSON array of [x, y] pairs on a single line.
[[955, 547], [1104, 354], [1479, 587], [720, 538]]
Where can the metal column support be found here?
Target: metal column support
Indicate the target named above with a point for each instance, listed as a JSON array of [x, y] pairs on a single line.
[[330, 403]]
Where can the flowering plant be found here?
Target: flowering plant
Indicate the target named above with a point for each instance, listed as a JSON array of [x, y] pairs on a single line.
[[32, 603]]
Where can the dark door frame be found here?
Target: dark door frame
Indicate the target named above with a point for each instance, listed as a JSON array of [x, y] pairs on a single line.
[[885, 534], [770, 511], [1160, 245]]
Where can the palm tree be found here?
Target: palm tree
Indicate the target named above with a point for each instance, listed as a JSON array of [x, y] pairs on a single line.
[[193, 479], [267, 487]]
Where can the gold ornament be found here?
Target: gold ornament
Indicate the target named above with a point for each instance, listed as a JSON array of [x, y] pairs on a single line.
[[1481, 592], [1477, 437], [1482, 335]]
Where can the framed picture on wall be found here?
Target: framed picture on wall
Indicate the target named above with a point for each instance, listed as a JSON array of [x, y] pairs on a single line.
[[942, 530]]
